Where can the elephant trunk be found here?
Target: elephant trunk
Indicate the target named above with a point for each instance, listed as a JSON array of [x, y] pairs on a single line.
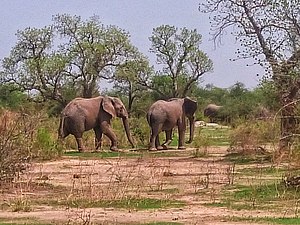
[[192, 128], [126, 127]]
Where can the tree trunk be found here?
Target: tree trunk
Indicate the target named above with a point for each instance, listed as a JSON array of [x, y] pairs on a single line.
[[288, 127]]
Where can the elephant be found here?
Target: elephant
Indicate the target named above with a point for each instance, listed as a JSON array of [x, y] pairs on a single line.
[[211, 111], [83, 114], [165, 115]]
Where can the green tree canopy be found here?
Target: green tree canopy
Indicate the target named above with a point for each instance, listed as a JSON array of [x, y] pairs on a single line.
[[94, 50], [181, 60], [69, 54]]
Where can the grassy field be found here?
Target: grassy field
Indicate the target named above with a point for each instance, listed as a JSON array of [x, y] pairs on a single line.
[[161, 187]]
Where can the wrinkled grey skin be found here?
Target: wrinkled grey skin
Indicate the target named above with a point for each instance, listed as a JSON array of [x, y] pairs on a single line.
[[211, 111], [165, 115], [82, 114]]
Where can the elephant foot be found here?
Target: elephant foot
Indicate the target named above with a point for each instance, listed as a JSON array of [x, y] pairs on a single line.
[[164, 147], [160, 148], [114, 148], [81, 150], [181, 147], [152, 149]]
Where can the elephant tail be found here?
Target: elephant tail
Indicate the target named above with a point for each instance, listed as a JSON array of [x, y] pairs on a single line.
[[61, 130], [149, 118]]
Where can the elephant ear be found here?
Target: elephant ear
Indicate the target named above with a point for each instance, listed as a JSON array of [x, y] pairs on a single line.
[[108, 106], [190, 106]]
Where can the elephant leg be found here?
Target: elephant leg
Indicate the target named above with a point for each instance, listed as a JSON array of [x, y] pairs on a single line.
[[79, 143], [154, 138], [181, 134], [107, 130], [157, 143], [98, 138], [168, 139]]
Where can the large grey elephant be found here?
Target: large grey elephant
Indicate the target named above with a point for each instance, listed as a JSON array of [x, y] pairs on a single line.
[[165, 115], [211, 111], [83, 114]]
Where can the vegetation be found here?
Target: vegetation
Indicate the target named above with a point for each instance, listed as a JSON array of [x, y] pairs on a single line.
[[49, 66], [268, 31]]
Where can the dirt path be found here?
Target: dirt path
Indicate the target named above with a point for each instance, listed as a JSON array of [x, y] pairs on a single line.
[[181, 178]]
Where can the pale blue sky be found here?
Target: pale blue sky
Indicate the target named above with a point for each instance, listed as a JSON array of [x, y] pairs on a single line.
[[138, 18]]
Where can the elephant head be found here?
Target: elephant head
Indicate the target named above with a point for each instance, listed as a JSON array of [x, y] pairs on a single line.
[[211, 111], [190, 107], [115, 107]]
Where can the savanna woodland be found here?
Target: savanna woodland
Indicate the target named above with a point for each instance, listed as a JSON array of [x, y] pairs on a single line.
[[242, 166]]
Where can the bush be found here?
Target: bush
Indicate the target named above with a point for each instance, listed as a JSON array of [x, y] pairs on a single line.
[[16, 130], [251, 135], [21, 141], [45, 145]]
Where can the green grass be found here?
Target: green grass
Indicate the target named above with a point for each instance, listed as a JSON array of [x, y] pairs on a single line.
[[280, 220], [268, 171], [216, 136], [269, 220], [239, 158], [128, 203], [265, 196]]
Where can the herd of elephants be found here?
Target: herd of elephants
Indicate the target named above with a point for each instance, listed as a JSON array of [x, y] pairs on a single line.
[[83, 114]]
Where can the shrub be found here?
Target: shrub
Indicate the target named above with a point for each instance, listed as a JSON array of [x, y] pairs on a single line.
[[253, 135], [16, 133], [45, 145], [21, 140]]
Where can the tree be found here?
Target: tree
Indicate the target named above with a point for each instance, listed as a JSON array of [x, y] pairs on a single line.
[[269, 32], [94, 49], [33, 66], [131, 79], [11, 97], [68, 57], [179, 54]]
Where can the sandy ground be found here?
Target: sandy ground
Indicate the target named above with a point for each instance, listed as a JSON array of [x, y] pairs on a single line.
[[182, 178]]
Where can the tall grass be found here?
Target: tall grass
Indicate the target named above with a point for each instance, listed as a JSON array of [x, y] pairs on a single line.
[[22, 139]]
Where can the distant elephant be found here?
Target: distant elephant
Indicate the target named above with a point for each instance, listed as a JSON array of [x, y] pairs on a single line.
[[83, 114], [211, 111], [165, 115], [262, 113]]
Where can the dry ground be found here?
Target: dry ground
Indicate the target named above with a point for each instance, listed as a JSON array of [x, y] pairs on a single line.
[[185, 178]]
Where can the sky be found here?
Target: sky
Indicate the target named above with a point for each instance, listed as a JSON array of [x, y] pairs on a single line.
[[138, 18]]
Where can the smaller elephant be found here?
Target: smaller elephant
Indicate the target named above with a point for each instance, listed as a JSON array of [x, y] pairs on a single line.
[[165, 115], [211, 111], [83, 114]]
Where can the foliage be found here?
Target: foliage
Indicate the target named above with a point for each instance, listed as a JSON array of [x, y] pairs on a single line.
[[69, 56], [94, 49], [268, 31], [130, 78], [21, 141], [177, 50], [259, 196], [11, 97], [15, 133], [46, 146], [140, 131], [33, 66], [252, 136]]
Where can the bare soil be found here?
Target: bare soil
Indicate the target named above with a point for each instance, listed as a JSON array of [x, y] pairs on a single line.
[[194, 181]]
